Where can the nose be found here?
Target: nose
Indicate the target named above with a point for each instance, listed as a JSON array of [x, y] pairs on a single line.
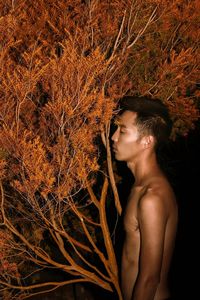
[[115, 136]]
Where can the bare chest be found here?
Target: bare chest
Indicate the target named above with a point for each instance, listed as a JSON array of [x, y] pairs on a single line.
[[131, 212]]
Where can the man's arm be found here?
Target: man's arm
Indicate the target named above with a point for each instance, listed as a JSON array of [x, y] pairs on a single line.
[[152, 218]]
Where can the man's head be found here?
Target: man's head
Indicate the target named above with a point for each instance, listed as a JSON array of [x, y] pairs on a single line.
[[143, 123]]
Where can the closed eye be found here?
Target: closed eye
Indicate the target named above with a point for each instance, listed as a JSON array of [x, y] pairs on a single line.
[[122, 127], [122, 131]]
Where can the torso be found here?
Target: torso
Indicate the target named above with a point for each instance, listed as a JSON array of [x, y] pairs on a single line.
[[133, 235]]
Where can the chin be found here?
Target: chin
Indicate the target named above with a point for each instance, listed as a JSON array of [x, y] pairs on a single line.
[[118, 157]]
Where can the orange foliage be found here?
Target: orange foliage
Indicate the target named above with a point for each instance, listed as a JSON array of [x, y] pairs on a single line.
[[168, 61], [8, 265]]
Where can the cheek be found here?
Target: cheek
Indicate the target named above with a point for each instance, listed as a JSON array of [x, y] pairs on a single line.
[[127, 146], [128, 140]]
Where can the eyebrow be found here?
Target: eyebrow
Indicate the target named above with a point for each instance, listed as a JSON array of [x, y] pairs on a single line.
[[118, 122]]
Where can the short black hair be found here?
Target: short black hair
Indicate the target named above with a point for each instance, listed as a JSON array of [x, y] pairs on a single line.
[[152, 116]]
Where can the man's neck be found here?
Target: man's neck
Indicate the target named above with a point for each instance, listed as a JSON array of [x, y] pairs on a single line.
[[144, 168]]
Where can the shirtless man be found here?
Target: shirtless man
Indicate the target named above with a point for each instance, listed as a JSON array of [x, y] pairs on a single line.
[[150, 218]]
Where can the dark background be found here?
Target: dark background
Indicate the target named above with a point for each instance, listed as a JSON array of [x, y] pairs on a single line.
[[185, 266]]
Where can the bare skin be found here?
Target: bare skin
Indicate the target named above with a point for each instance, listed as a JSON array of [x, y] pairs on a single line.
[[150, 218]]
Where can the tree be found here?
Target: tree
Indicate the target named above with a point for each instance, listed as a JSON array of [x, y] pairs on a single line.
[[63, 69], [167, 65]]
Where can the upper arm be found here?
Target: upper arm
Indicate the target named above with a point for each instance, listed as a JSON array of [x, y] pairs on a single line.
[[152, 219]]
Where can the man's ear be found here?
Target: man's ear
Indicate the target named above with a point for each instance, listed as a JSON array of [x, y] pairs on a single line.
[[148, 141]]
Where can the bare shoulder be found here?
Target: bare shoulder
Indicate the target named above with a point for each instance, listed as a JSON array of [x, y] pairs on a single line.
[[151, 202], [157, 197]]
